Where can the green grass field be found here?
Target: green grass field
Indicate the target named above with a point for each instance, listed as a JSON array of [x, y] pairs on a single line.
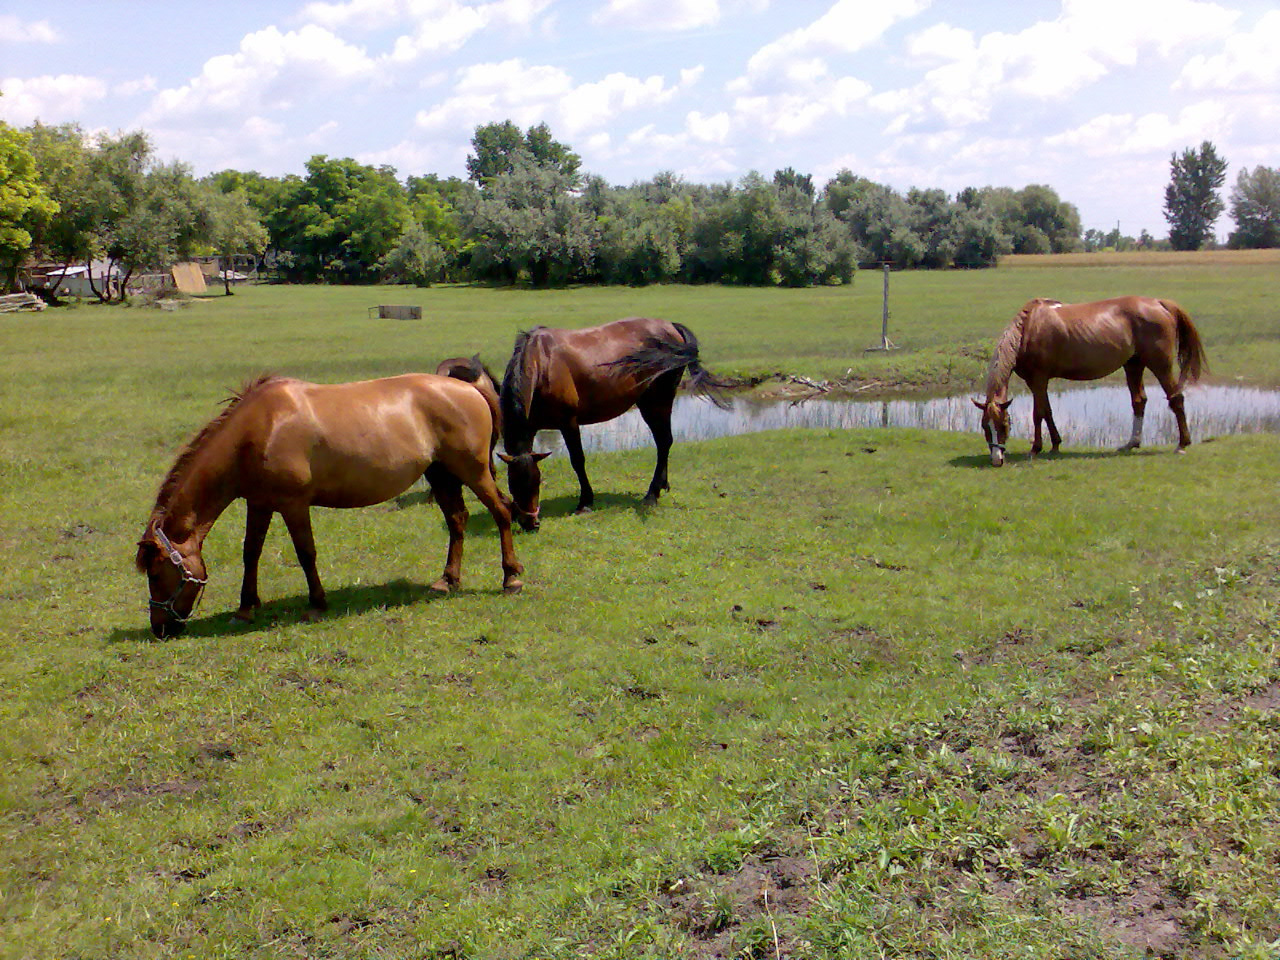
[[841, 694]]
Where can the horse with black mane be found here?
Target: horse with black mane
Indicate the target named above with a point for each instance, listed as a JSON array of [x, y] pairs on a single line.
[[564, 379], [1086, 341], [286, 445]]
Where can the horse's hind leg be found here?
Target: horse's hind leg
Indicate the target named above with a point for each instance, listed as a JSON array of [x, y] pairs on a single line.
[[448, 493], [1177, 403], [656, 413], [257, 522], [298, 520], [1133, 371], [578, 460]]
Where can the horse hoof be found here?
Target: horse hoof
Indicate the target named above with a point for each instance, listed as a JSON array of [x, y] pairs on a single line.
[[312, 615], [512, 586], [581, 511], [441, 586], [245, 614], [649, 502]]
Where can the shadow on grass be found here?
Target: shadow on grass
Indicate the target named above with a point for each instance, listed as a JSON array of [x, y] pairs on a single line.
[[343, 602], [1025, 459], [562, 507]]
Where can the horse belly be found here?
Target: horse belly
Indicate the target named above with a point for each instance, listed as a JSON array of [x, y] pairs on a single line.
[[357, 466]]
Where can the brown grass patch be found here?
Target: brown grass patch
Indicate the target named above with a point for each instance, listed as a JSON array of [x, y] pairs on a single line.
[[1145, 258]]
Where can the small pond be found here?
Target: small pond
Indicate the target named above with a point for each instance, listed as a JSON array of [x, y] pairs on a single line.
[[1086, 417]]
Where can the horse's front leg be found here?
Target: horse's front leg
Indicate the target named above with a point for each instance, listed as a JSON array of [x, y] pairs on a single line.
[[1037, 418], [1133, 371], [577, 460], [1054, 437], [298, 520], [658, 418], [257, 523], [448, 493]]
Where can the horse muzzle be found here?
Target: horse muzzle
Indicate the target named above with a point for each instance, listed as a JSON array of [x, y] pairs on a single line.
[[997, 454], [528, 521], [167, 628]]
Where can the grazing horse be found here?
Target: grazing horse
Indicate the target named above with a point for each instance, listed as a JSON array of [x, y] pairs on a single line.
[[1085, 341], [562, 379], [286, 445]]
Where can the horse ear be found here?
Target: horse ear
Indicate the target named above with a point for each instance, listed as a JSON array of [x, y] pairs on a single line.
[[541, 456], [979, 404], [504, 457], [1005, 405]]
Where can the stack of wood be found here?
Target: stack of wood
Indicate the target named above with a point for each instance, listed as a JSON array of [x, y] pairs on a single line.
[[15, 302]]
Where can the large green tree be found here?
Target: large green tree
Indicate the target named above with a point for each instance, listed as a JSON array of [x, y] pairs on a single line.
[[528, 224], [1255, 207], [63, 157], [497, 147], [339, 222], [24, 202], [235, 232], [1191, 201]]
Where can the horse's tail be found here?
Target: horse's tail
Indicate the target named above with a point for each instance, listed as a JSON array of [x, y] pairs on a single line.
[[1192, 360], [474, 372], [660, 355]]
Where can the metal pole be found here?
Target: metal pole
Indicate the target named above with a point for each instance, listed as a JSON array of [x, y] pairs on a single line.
[[884, 320]]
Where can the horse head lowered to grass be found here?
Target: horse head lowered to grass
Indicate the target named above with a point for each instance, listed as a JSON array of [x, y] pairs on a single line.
[[1085, 341], [563, 379], [285, 446]]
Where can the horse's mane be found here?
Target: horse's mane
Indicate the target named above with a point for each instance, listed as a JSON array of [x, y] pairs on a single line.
[[516, 389], [1006, 353], [174, 477]]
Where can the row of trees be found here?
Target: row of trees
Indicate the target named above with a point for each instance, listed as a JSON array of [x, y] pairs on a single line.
[[527, 213], [108, 197]]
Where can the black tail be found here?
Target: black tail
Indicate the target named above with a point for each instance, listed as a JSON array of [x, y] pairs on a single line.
[[659, 356]]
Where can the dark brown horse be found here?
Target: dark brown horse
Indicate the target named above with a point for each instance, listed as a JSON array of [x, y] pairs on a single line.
[[1085, 341], [287, 445], [563, 379]]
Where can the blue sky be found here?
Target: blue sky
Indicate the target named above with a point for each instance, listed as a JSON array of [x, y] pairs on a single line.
[[1088, 96]]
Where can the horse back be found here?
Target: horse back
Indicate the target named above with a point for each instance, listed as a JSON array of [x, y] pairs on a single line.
[[574, 379], [355, 444]]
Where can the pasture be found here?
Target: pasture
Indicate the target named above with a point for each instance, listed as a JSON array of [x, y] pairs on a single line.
[[840, 694]]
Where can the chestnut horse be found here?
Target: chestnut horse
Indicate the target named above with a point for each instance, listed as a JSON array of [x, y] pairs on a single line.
[[1085, 341], [562, 379], [286, 445]]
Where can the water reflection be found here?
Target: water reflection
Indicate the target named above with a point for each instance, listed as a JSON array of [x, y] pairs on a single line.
[[1087, 417]]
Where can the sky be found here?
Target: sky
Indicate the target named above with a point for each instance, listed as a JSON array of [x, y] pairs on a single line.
[[1091, 97]]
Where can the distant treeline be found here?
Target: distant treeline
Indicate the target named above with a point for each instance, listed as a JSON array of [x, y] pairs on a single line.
[[525, 213]]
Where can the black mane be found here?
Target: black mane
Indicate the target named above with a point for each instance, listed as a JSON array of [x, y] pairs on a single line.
[[515, 415]]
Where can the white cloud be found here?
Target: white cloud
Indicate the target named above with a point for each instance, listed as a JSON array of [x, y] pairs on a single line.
[[52, 99], [1050, 60], [14, 30], [668, 15], [436, 26], [1248, 61], [700, 151], [847, 27], [528, 94], [789, 88], [1114, 135], [271, 70]]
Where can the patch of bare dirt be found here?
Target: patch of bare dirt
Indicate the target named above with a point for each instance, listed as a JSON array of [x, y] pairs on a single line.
[[713, 910]]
